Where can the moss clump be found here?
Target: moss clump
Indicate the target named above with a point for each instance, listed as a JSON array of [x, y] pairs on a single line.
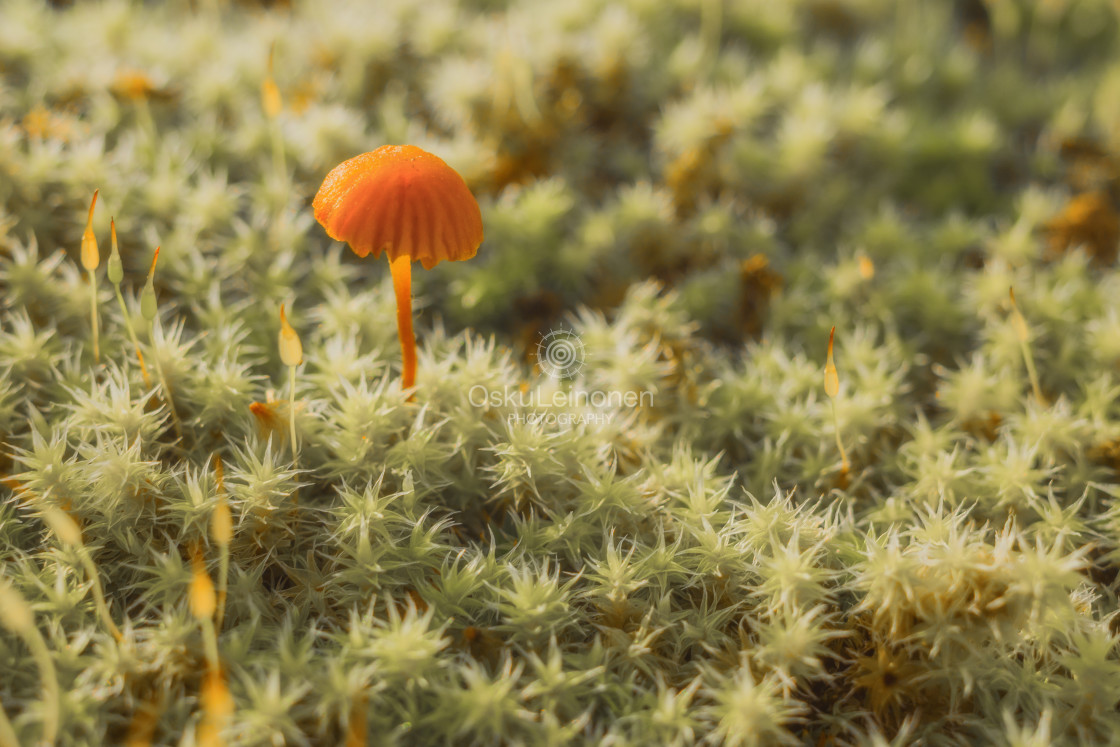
[[653, 540]]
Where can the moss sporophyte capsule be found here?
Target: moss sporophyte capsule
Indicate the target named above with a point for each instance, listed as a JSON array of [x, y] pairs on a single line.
[[114, 267], [148, 295], [91, 258]]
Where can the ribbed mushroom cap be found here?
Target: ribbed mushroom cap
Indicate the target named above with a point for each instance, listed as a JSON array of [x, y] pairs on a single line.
[[401, 200]]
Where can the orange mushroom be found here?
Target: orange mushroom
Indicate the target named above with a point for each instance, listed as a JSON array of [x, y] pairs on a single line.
[[408, 203]]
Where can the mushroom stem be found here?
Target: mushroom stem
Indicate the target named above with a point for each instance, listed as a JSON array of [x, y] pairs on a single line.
[[401, 267]]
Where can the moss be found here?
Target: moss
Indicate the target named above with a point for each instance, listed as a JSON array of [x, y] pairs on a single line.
[[660, 545]]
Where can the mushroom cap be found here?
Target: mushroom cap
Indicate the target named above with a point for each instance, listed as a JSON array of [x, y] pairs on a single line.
[[401, 200]]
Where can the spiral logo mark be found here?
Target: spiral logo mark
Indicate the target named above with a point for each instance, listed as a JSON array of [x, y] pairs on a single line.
[[560, 354]]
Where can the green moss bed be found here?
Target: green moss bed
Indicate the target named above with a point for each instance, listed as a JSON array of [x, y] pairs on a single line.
[[678, 538]]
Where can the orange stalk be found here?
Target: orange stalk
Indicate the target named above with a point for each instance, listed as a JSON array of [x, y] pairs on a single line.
[[832, 389], [401, 267], [90, 260]]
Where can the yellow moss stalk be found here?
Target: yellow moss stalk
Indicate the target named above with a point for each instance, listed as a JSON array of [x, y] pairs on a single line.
[[291, 354], [866, 267], [68, 532], [356, 728], [91, 258], [214, 695], [149, 311], [145, 721], [203, 603], [217, 707], [273, 105], [832, 389], [221, 529], [115, 271], [16, 616]]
